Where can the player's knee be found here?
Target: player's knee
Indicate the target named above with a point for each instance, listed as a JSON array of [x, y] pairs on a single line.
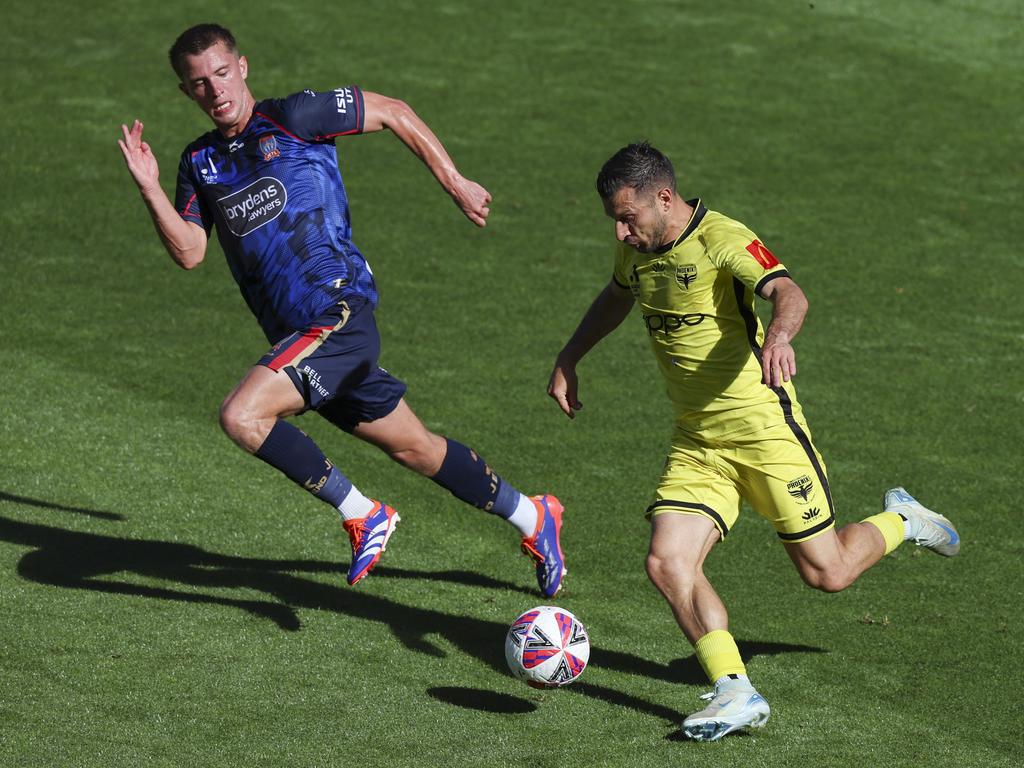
[[668, 574], [231, 419], [655, 570], [238, 424]]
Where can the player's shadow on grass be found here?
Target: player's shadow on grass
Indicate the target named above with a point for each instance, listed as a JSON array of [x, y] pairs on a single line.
[[78, 560], [688, 671], [483, 700], [50, 505]]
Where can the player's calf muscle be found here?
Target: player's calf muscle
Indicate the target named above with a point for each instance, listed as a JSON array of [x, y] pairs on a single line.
[[425, 457]]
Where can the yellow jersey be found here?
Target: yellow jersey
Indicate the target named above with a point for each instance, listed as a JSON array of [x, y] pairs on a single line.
[[696, 298]]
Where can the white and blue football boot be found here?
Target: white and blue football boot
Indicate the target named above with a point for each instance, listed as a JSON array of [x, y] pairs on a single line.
[[925, 528], [734, 704]]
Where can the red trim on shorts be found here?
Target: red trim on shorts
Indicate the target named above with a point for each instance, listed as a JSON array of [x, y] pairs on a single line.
[[297, 347]]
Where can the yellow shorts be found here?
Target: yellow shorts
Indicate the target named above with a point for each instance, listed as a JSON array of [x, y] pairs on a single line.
[[777, 470]]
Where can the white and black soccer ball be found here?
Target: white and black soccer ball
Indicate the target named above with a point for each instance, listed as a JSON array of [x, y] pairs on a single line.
[[547, 647]]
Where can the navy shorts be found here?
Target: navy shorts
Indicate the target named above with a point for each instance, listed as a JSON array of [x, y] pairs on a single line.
[[333, 364]]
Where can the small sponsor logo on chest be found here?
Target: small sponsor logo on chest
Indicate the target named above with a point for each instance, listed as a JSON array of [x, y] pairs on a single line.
[[207, 170]]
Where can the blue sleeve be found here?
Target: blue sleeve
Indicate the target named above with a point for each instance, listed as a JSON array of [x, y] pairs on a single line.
[[188, 204], [319, 115]]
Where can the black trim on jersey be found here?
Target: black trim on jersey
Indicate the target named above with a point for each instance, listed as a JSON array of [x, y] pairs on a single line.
[[767, 279], [749, 319], [616, 281], [787, 411], [698, 216], [715, 517]]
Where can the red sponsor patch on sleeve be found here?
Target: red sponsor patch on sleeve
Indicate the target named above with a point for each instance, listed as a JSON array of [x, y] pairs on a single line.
[[762, 255]]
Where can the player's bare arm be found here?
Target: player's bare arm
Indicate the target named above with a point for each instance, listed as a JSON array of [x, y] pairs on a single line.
[[184, 241], [607, 312], [399, 118], [789, 307]]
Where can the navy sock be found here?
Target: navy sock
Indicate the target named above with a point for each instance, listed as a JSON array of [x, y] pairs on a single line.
[[468, 478], [294, 453]]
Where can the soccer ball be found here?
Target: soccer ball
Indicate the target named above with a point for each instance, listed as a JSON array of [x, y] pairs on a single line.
[[547, 647]]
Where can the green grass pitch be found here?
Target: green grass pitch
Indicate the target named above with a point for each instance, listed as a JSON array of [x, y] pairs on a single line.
[[169, 601]]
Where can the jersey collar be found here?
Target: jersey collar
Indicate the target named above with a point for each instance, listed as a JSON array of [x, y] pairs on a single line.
[[227, 141], [695, 219]]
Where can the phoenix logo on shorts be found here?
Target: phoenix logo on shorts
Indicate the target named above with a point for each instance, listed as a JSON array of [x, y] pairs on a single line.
[[801, 489]]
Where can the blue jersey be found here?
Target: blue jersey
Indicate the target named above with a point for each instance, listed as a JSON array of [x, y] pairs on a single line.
[[276, 198]]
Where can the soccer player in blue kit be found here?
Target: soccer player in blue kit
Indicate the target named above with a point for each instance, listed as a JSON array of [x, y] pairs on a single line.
[[267, 179]]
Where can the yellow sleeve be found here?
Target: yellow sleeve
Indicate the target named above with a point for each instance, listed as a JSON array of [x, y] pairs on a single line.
[[737, 250]]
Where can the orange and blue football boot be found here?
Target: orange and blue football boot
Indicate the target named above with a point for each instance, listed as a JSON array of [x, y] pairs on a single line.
[[544, 545], [369, 537]]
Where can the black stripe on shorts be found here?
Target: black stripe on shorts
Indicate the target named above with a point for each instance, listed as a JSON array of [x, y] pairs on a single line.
[[787, 412], [715, 517]]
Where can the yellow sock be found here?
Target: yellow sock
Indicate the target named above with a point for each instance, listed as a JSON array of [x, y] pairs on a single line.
[[718, 654], [891, 527]]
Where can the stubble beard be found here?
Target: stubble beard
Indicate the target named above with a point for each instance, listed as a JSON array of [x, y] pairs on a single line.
[[658, 239]]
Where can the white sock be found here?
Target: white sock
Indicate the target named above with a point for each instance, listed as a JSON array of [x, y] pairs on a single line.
[[525, 516], [355, 505], [737, 680]]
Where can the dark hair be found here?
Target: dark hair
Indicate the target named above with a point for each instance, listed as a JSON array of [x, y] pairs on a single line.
[[196, 40], [640, 166]]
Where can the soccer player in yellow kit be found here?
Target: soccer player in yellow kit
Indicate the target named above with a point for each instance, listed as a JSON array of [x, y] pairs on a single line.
[[739, 430]]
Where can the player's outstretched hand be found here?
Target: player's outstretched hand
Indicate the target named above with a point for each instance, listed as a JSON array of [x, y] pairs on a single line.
[[138, 156], [473, 199], [562, 388], [778, 363]]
